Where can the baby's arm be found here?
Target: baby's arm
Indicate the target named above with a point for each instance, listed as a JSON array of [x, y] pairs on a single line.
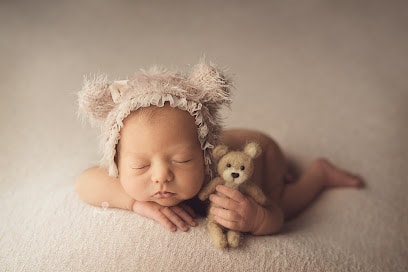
[[95, 187]]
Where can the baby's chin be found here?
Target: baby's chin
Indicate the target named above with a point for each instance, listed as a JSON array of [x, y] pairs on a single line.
[[171, 201], [168, 202]]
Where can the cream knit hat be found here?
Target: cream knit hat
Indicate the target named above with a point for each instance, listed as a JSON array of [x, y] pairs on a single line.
[[201, 93]]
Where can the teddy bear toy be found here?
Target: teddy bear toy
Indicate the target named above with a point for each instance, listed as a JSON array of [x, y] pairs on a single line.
[[234, 169]]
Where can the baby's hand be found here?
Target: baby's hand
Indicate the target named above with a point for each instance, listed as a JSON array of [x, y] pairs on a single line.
[[180, 216], [236, 211]]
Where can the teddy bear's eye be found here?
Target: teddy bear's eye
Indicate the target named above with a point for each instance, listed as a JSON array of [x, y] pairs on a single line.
[[242, 167], [228, 165]]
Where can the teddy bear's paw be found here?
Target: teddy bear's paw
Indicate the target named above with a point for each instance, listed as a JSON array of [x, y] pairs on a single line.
[[220, 242], [262, 200], [234, 238], [202, 196]]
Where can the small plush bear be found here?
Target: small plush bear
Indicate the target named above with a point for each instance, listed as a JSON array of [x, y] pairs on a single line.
[[234, 169]]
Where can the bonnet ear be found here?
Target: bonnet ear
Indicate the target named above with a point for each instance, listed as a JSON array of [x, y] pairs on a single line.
[[212, 82], [97, 98]]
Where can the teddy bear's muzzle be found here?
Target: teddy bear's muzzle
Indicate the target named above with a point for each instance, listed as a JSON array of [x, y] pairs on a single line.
[[234, 175]]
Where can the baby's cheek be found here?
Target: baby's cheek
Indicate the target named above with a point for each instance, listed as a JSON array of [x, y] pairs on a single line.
[[197, 183], [129, 186]]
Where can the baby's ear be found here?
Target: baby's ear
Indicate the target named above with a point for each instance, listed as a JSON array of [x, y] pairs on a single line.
[[219, 151], [95, 100], [252, 149], [212, 82]]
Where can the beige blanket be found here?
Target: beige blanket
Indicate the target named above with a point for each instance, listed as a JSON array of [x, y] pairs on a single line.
[[322, 77]]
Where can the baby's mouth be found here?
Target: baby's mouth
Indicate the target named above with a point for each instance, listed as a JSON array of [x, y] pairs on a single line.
[[162, 195]]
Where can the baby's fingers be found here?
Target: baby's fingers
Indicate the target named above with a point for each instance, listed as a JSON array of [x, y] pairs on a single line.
[[188, 209], [175, 216], [231, 193], [164, 220], [232, 225], [186, 213]]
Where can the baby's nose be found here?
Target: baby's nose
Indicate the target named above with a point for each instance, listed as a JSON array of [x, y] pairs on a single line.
[[234, 175], [161, 174]]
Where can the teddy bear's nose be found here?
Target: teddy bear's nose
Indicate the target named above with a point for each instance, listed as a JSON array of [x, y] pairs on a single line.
[[234, 175]]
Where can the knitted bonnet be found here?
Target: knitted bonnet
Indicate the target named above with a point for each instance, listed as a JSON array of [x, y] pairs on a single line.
[[201, 93]]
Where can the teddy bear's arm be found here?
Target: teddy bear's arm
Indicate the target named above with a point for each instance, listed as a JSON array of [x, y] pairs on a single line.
[[254, 191], [210, 188]]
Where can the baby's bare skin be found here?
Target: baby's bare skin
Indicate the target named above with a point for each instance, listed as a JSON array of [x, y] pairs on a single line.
[[287, 199], [236, 211]]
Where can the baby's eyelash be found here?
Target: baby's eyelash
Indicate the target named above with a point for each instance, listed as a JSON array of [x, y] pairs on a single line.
[[182, 161], [140, 167]]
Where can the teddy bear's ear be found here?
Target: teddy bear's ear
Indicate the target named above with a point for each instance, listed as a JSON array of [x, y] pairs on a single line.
[[219, 151], [214, 85], [252, 149], [96, 100]]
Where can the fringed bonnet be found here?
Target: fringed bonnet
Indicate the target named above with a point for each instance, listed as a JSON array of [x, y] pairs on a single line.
[[201, 93]]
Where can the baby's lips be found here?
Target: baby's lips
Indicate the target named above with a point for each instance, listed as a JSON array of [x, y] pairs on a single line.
[[162, 195]]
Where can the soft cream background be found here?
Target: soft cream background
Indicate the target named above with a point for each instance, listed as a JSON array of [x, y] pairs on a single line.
[[322, 77]]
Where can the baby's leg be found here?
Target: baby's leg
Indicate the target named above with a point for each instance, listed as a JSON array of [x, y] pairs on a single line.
[[320, 175]]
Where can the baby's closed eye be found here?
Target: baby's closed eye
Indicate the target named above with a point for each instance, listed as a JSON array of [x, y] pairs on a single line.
[[181, 160], [139, 167]]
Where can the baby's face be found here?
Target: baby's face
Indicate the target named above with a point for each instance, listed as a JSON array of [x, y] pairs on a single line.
[[159, 156]]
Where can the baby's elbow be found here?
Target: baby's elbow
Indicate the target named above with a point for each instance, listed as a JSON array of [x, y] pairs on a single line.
[[277, 226], [82, 184], [278, 221], [274, 227], [272, 223], [79, 186]]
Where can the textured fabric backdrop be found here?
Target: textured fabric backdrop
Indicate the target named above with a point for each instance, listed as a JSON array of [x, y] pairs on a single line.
[[322, 77]]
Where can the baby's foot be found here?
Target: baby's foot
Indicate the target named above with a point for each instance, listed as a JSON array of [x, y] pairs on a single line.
[[335, 177]]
